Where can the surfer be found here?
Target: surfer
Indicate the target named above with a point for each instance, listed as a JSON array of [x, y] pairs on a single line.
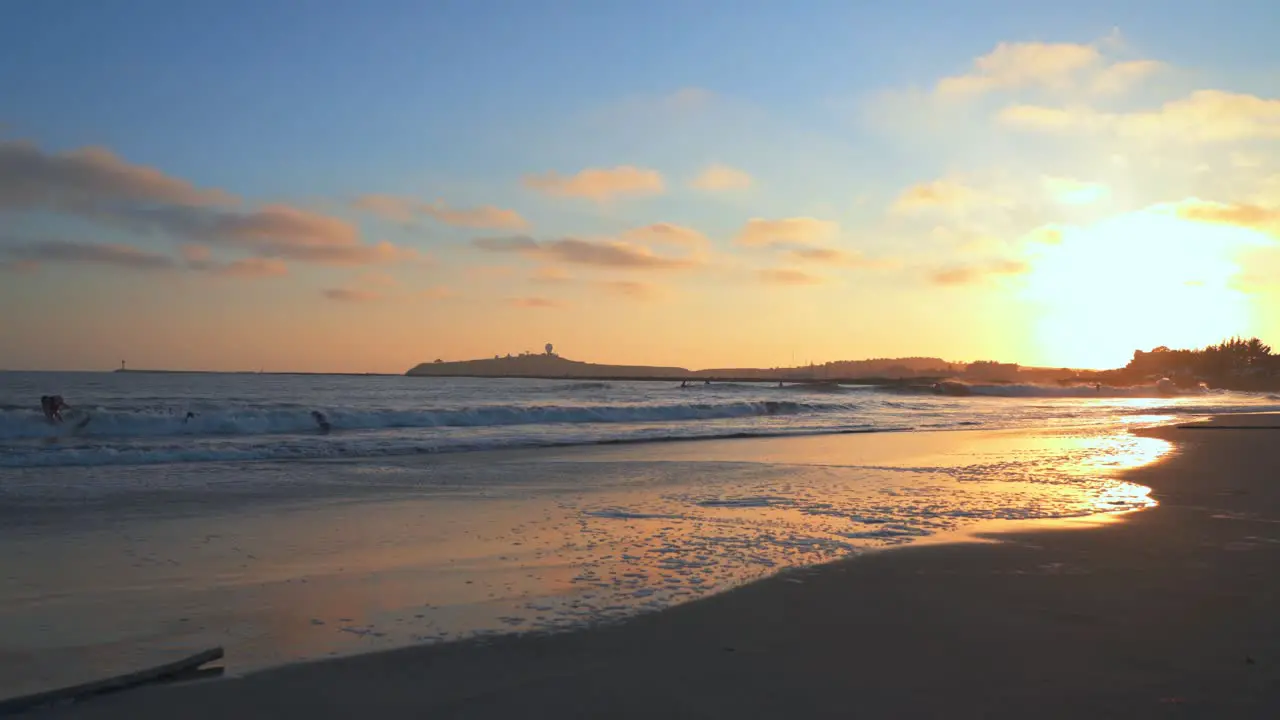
[[53, 405], [321, 420]]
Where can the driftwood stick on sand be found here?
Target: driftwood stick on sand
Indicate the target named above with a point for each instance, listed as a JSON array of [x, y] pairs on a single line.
[[186, 667]]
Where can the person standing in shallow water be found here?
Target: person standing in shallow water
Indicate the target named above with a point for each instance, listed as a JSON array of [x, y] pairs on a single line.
[[53, 405]]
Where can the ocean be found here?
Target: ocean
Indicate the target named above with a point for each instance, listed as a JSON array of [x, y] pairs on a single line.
[[202, 509], [138, 418]]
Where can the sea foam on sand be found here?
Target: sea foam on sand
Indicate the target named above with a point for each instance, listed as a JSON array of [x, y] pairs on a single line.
[[374, 554]]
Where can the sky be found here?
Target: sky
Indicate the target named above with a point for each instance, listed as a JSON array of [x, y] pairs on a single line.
[[359, 187]]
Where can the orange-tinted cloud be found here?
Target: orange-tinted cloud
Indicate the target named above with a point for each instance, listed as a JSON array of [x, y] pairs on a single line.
[[1202, 116], [717, 178], [1047, 235], [1056, 66], [666, 234], [87, 179], [831, 256], [786, 276], [1246, 215], [70, 252], [406, 210], [971, 274], [353, 295], [533, 302], [1069, 191], [948, 195], [551, 274], [601, 253], [280, 231], [97, 185], [599, 184], [440, 292], [630, 289], [787, 232], [195, 258], [253, 267]]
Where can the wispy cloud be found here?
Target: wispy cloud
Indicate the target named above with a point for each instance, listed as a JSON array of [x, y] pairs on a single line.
[[787, 276], [88, 178], [599, 184], [972, 274], [1069, 191], [1205, 116], [667, 234], [98, 186], [551, 274], [1055, 66], [67, 251], [600, 253], [787, 232], [534, 302], [718, 178], [630, 289], [407, 210], [1247, 215], [946, 195], [351, 294]]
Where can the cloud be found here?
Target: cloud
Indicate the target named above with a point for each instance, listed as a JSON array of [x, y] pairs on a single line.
[[831, 256], [21, 267], [1054, 66], [948, 195], [87, 178], [785, 276], [513, 243], [551, 274], [195, 258], [630, 289], [722, 177], [1068, 191], [352, 295], [440, 292], [97, 185], [277, 230], [65, 251], [1121, 76], [787, 232], [377, 279], [667, 234], [600, 253], [1205, 116], [1255, 217], [971, 274], [253, 267], [280, 231], [533, 302], [610, 254], [407, 210], [599, 184], [1046, 235]]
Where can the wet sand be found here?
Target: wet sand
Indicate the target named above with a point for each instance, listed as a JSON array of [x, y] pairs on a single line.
[[1169, 612]]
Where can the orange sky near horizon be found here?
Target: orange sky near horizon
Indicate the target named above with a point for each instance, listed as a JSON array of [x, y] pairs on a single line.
[[1055, 204]]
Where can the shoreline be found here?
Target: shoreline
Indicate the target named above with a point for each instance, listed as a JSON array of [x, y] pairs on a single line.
[[1167, 610]]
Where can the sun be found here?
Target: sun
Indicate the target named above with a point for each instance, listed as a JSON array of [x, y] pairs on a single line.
[[1136, 281]]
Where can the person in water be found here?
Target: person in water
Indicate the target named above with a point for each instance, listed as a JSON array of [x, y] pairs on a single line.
[[53, 405], [321, 420]]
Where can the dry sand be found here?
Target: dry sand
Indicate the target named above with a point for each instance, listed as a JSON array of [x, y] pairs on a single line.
[[1171, 612]]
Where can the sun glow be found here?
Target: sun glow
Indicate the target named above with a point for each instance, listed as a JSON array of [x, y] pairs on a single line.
[[1137, 281]]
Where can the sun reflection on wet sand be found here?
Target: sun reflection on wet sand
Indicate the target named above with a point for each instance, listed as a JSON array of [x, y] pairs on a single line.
[[541, 540]]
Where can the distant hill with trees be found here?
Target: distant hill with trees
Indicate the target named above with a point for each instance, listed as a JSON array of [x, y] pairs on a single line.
[[1233, 364]]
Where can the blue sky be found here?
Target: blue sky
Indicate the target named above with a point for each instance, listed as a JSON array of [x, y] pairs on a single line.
[[831, 111]]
